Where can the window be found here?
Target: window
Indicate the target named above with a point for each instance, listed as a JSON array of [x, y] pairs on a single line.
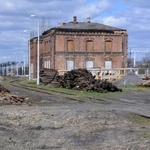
[[108, 64], [47, 64], [108, 46], [31, 70], [70, 45], [70, 65], [89, 45], [89, 64]]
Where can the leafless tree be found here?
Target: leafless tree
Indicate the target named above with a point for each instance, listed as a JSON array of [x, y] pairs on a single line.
[[146, 61]]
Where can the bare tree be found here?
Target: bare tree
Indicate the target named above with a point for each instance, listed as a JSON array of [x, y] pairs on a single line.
[[43, 25], [146, 61], [130, 62], [32, 34]]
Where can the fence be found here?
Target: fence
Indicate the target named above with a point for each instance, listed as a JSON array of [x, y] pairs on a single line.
[[115, 73]]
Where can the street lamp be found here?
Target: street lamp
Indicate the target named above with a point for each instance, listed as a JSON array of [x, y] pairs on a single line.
[[23, 64], [29, 60], [16, 58], [38, 49]]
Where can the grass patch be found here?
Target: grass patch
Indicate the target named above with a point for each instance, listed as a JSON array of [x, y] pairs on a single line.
[[127, 88], [69, 93], [27, 82], [146, 135], [76, 94], [140, 120]]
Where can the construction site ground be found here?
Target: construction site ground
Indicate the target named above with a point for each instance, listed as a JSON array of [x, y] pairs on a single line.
[[104, 121]]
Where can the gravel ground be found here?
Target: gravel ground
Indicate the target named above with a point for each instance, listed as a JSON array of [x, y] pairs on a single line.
[[54, 122]]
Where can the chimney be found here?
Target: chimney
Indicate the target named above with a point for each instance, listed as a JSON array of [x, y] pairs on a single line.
[[75, 19], [88, 20]]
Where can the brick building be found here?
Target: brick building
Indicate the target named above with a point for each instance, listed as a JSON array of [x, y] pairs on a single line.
[[80, 45]]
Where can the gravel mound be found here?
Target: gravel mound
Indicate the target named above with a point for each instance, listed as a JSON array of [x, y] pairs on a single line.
[[130, 79]]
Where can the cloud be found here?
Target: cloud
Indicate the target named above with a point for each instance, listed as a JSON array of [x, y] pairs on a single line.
[[132, 15], [92, 10], [46, 1], [116, 22], [138, 3]]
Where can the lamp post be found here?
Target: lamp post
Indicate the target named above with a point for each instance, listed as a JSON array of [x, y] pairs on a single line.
[[38, 50], [29, 60], [16, 58], [23, 64]]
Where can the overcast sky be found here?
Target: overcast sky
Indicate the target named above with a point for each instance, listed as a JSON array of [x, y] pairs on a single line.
[[132, 15]]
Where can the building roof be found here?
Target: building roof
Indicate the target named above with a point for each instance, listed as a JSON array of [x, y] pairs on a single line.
[[84, 26], [87, 26]]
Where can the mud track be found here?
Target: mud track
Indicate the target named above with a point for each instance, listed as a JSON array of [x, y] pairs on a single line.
[[118, 121]]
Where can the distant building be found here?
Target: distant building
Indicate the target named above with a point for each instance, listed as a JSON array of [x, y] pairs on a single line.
[[76, 44]]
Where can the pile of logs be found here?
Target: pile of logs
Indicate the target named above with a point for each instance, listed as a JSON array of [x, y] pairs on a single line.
[[81, 79], [7, 97], [145, 84], [48, 76]]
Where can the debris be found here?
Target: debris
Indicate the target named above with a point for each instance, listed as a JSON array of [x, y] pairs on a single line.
[[7, 97], [81, 79], [2, 89]]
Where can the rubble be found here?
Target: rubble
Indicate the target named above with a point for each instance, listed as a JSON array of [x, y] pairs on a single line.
[[81, 79], [7, 97]]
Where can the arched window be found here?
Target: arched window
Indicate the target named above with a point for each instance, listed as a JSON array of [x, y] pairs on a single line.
[[89, 45], [70, 45], [108, 46]]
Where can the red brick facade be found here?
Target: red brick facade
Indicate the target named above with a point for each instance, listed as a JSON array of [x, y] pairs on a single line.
[[73, 46]]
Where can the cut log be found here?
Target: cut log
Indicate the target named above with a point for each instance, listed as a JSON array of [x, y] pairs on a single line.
[[48, 76]]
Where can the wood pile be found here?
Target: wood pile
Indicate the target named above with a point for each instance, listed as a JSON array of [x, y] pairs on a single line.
[[7, 97], [48, 76], [81, 79], [145, 84]]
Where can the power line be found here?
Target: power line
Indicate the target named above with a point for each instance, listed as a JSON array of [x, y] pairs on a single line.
[[139, 50]]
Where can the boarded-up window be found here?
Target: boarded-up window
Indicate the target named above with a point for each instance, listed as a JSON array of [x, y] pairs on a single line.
[[70, 65], [108, 46], [89, 64], [47, 64], [32, 70], [108, 64], [89, 45], [70, 45]]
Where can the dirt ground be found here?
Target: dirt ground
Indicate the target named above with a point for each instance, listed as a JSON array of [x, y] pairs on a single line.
[[121, 122]]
